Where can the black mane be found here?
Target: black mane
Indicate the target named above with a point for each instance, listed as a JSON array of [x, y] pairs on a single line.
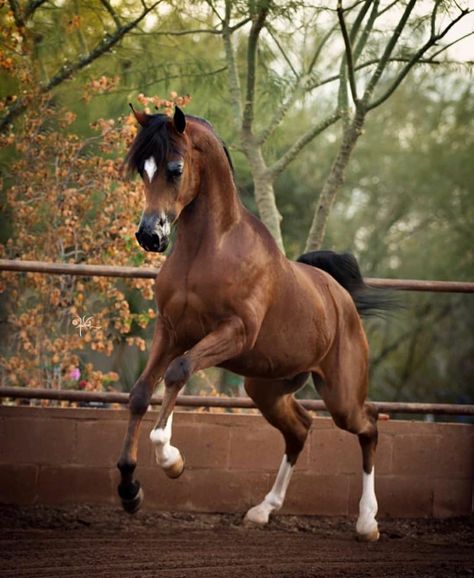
[[154, 140]]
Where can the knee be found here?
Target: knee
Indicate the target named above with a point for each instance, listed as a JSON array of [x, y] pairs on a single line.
[[178, 372]]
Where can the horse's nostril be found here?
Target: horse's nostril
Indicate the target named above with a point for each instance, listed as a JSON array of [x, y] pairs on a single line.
[[151, 241]]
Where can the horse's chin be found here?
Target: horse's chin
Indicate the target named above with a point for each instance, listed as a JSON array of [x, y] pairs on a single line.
[[161, 249], [155, 247]]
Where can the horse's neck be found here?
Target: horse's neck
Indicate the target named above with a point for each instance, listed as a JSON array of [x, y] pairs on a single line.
[[214, 211]]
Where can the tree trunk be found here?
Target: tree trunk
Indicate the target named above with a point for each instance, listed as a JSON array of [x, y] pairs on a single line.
[[334, 182], [264, 192], [267, 208]]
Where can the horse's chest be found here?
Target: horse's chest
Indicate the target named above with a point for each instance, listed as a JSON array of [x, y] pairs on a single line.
[[189, 315]]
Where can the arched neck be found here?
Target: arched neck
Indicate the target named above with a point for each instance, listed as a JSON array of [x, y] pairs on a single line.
[[215, 210]]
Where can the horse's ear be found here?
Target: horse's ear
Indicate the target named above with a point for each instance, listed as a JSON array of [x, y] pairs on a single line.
[[179, 120], [142, 117]]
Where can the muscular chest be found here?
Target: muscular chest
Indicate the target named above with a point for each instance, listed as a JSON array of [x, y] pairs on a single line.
[[190, 309]]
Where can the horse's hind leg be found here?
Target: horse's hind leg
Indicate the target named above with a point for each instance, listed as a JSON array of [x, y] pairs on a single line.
[[344, 390], [366, 527], [278, 406]]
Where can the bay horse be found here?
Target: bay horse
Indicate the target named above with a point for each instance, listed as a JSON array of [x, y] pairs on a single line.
[[228, 297]]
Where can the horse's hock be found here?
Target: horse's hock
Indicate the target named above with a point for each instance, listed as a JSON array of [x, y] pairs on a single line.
[[67, 456]]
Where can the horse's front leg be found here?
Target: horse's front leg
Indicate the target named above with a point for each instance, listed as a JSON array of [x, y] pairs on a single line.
[[160, 355], [225, 342]]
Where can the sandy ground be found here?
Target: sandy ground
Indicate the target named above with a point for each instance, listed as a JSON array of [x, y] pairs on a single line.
[[99, 541]]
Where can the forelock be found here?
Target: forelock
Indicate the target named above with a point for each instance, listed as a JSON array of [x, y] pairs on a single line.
[[153, 141]]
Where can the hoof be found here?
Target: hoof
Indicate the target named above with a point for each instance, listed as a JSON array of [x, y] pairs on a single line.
[[252, 524], [175, 470], [372, 536], [132, 505], [256, 517]]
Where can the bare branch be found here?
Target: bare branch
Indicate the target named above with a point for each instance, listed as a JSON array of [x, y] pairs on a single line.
[[388, 52], [446, 46], [143, 85], [111, 11], [306, 138], [234, 81], [374, 61], [214, 10], [359, 18], [343, 97], [282, 51], [366, 32], [348, 48], [189, 32], [32, 6], [185, 32], [320, 47], [414, 59], [433, 18], [387, 8], [17, 13], [258, 20], [279, 114], [239, 24]]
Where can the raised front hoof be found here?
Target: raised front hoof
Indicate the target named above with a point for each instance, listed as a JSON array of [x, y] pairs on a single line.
[[176, 469], [131, 505], [371, 536], [256, 517]]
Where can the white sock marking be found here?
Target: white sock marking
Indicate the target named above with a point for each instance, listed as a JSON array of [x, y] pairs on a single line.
[[150, 168], [275, 498], [166, 454], [366, 523]]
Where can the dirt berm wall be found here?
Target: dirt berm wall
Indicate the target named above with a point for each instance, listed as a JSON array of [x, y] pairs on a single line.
[[67, 456]]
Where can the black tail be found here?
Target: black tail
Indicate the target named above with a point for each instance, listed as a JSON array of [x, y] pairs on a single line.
[[345, 270]]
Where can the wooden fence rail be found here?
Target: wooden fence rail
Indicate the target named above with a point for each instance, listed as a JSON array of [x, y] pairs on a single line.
[[224, 402], [150, 273]]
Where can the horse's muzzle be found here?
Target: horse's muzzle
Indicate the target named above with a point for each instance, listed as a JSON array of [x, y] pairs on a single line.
[[153, 232], [152, 242]]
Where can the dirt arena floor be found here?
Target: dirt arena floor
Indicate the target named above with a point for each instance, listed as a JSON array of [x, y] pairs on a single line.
[[96, 541]]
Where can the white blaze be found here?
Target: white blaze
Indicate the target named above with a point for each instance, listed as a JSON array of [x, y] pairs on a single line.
[[150, 168]]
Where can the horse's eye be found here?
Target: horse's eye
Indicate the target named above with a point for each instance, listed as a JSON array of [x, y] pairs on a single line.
[[175, 168]]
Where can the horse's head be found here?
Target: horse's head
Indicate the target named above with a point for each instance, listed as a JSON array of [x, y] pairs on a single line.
[[162, 153]]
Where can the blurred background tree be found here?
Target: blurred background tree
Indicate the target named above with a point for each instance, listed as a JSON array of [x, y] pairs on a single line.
[[291, 86]]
